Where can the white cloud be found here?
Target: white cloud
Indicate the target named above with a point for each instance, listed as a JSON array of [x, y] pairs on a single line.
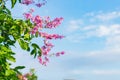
[[96, 28], [74, 25], [75, 38], [107, 16], [98, 31], [104, 30], [111, 35], [89, 27], [106, 72], [95, 72]]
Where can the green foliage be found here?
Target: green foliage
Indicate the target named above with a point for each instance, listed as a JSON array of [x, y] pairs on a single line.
[[12, 31]]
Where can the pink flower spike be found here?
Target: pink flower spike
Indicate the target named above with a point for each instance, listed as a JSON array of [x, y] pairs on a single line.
[[58, 54], [44, 63], [40, 60], [39, 5], [46, 59], [62, 52], [27, 15], [31, 10], [27, 2]]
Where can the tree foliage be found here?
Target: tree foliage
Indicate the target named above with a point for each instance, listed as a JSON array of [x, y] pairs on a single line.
[[18, 30]]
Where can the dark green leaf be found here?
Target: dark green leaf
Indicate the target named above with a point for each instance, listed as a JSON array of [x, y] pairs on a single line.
[[19, 67], [35, 55], [13, 2], [39, 52], [19, 1], [33, 51], [35, 45]]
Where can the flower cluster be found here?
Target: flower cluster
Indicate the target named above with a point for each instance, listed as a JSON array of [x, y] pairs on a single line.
[[40, 24], [27, 76], [38, 4]]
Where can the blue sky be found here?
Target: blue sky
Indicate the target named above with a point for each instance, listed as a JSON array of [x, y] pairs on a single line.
[[92, 42]]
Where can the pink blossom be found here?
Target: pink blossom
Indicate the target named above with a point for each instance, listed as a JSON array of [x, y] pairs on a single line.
[[45, 50], [46, 59], [39, 4], [27, 2], [40, 59], [34, 30], [48, 44], [38, 21], [27, 15], [60, 53], [44, 63], [24, 78], [31, 10], [53, 24], [50, 36], [27, 74]]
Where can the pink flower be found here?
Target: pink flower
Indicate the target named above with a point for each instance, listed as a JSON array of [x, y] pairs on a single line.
[[50, 36], [27, 2], [31, 10], [46, 59], [48, 44], [44, 63], [53, 24], [27, 15], [39, 4], [34, 30], [40, 60], [60, 53], [38, 21], [24, 78]]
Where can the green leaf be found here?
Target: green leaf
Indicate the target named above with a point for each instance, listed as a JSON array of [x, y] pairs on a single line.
[[13, 2], [2, 16], [10, 42], [19, 1], [24, 45], [19, 67], [8, 11], [28, 49], [36, 35], [33, 51], [1, 39], [35, 55], [11, 58], [27, 36], [9, 72], [35, 45], [39, 52]]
